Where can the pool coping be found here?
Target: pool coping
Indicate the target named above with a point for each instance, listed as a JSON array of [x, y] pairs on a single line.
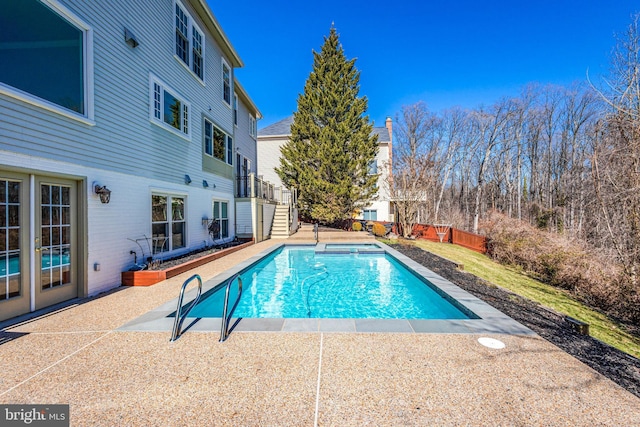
[[490, 321]]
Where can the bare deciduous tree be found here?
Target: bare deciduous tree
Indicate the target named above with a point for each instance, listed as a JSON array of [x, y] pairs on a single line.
[[616, 156]]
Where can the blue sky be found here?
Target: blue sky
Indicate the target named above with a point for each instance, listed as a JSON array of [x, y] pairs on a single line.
[[445, 53]]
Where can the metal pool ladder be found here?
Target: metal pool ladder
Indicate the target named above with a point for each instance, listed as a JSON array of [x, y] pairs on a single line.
[[180, 316], [224, 329]]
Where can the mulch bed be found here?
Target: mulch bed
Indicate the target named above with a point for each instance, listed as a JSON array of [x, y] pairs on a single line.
[[198, 253], [614, 364]]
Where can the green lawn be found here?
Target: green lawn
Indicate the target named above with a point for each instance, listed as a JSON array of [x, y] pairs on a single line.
[[600, 326]]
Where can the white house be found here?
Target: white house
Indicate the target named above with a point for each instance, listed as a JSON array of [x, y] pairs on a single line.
[[272, 137], [121, 128]]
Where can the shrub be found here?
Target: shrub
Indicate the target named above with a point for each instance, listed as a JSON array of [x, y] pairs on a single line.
[[356, 226], [565, 263], [379, 229]]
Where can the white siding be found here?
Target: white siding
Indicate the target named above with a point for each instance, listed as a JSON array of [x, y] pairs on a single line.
[[245, 143], [244, 223], [123, 138], [269, 158], [125, 150], [381, 205], [127, 216]]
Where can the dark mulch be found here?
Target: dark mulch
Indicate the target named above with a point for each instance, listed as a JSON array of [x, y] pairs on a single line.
[[195, 254], [610, 362]]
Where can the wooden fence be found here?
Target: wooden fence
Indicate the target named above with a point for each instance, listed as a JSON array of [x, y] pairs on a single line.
[[472, 241]]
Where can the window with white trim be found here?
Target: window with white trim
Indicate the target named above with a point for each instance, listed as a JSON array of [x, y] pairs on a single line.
[[168, 109], [189, 41], [220, 227], [208, 138], [235, 109], [226, 83], [370, 214], [46, 57], [229, 150], [168, 223], [253, 128], [217, 143]]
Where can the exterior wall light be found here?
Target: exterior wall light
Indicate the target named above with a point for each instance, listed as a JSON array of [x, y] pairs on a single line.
[[187, 179], [205, 184], [103, 192]]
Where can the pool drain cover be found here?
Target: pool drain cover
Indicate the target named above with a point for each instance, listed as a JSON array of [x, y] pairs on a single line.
[[491, 343]]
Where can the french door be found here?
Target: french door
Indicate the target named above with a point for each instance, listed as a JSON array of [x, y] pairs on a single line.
[[38, 242]]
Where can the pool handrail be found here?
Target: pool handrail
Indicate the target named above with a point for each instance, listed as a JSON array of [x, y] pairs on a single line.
[[224, 328], [177, 323]]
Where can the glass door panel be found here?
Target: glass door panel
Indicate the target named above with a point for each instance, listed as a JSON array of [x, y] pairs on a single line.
[[14, 251], [56, 233], [10, 271], [55, 246]]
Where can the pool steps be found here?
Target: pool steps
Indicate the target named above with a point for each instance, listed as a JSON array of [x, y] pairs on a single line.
[[343, 249]]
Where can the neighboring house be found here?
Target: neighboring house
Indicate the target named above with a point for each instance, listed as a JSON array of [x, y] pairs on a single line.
[[117, 141], [271, 139]]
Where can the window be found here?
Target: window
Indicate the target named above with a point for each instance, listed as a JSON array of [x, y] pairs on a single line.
[[198, 53], [208, 138], [243, 169], [182, 34], [235, 109], [191, 54], [229, 150], [226, 83], [370, 215], [253, 130], [217, 143], [220, 227], [46, 57], [168, 109], [168, 224], [373, 167]]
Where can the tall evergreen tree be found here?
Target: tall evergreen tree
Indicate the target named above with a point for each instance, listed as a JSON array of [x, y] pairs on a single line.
[[327, 157]]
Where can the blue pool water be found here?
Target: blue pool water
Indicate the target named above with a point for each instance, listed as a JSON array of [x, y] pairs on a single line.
[[12, 264], [297, 282]]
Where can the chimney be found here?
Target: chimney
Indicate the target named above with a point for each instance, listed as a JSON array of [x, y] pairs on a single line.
[[388, 123]]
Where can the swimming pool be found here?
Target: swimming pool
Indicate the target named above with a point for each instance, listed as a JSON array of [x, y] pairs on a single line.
[[486, 320], [302, 282]]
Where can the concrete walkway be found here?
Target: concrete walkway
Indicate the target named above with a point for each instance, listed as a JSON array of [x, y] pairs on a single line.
[[76, 356]]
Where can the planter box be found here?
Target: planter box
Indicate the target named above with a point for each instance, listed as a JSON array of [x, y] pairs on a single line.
[[151, 277]]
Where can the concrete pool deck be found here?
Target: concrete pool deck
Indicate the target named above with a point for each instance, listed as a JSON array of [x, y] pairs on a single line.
[[78, 355]]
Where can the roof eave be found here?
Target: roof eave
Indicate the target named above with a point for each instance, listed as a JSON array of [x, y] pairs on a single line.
[[202, 8], [242, 93], [273, 136]]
